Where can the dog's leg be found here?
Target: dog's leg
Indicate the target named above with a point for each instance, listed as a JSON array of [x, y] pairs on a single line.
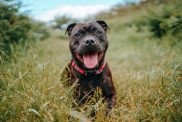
[[109, 92]]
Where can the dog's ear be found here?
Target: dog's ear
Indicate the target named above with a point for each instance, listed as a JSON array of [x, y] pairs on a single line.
[[69, 28], [103, 24]]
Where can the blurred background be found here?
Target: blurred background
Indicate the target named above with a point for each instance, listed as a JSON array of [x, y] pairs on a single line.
[[145, 56], [26, 20]]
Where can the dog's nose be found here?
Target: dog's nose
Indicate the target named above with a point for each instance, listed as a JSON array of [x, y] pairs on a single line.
[[90, 42]]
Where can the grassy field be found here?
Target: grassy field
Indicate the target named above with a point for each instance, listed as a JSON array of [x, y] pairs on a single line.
[[147, 74]]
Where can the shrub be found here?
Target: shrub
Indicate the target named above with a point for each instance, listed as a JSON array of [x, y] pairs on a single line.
[[14, 27], [164, 22], [60, 21], [169, 21], [38, 31], [17, 28]]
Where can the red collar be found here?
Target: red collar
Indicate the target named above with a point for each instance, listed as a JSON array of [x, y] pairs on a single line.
[[96, 72]]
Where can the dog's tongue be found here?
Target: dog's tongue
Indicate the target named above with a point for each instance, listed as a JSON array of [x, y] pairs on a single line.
[[90, 60]]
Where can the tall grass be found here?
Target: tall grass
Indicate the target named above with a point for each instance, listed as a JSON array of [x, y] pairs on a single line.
[[147, 74]]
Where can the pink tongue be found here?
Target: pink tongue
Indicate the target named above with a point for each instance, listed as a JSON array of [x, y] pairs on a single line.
[[90, 60]]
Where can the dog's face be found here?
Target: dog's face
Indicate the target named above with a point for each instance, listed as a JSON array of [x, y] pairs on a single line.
[[88, 43]]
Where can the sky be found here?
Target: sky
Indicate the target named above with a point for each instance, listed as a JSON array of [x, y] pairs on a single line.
[[47, 10]]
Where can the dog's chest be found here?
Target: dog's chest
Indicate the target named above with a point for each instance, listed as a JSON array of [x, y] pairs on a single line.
[[88, 84], [87, 89]]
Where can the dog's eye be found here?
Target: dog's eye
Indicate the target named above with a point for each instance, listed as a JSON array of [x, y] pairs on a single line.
[[77, 35], [99, 33]]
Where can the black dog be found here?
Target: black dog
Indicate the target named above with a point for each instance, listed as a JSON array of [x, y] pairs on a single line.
[[88, 45]]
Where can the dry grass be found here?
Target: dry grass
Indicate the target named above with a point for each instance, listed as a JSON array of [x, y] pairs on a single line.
[[147, 76]]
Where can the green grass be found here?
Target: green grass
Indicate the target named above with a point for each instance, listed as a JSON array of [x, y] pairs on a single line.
[[147, 74], [147, 77]]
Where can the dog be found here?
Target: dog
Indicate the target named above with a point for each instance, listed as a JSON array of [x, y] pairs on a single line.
[[88, 45]]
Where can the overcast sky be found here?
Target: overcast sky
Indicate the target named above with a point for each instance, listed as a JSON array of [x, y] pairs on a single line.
[[46, 10]]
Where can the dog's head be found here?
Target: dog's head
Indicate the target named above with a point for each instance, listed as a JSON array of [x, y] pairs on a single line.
[[88, 43]]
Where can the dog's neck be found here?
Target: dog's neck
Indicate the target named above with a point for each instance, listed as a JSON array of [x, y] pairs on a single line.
[[84, 72]]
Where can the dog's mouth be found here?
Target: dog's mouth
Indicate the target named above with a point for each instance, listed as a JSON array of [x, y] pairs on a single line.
[[90, 60]]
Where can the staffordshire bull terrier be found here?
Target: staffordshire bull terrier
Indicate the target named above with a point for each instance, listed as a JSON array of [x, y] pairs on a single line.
[[89, 68]]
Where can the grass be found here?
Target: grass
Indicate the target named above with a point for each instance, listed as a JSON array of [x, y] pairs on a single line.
[[147, 74]]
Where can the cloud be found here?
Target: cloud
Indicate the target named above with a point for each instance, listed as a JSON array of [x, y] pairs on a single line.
[[78, 11]]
